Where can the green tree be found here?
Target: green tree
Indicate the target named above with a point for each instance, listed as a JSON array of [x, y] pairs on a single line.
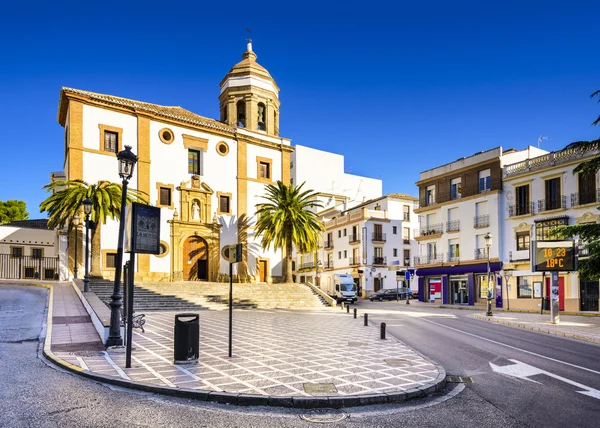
[[67, 198], [588, 233], [285, 221], [13, 210]]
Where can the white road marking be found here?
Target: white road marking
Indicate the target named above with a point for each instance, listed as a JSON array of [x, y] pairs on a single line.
[[513, 347], [115, 366], [82, 363], [523, 371]]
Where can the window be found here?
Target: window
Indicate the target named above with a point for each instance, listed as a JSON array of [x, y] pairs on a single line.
[[224, 203], [339, 255], [395, 230], [522, 200], [222, 148], [406, 212], [455, 188], [111, 260], [485, 182], [345, 232], [37, 253], [378, 252], [406, 257], [395, 252], [166, 135], [264, 168], [430, 195], [111, 141], [345, 254], [453, 250], [195, 162], [480, 249], [543, 228], [523, 288], [241, 114], [522, 241], [339, 233], [16, 251], [262, 114], [165, 196], [587, 188], [431, 250], [553, 196], [30, 272]]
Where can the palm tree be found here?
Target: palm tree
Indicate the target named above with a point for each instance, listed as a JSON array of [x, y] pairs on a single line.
[[285, 220], [68, 195]]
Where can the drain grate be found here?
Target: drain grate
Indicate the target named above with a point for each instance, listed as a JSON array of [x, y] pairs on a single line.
[[459, 379], [324, 416], [319, 388]]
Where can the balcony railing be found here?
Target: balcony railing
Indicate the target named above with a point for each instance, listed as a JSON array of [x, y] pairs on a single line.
[[554, 158], [378, 237], [453, 226], [328, 265], [406, 240], [480, 253], [328, 244], [583, 198], [432, 229], [354, 261], [452, 256], [521, 209], [407, 261], [379, 260], [406, 216], [481, 220], [583, 251], [552, 204], [354, 239], [309, 265], [429, 260], [427, 201]]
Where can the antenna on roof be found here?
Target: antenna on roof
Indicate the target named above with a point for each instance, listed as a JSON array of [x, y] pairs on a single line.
[[540, 138]]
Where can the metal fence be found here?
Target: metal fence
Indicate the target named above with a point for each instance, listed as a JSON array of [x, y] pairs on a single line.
[[28, 267]]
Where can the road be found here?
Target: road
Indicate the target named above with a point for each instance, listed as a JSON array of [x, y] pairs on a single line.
[[532, 377], [34, 393]]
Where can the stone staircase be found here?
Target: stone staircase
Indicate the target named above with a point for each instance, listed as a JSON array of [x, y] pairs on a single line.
[[194, 296]]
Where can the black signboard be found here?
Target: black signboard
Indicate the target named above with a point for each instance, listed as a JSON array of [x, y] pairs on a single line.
[[143, 229], [554, 256]]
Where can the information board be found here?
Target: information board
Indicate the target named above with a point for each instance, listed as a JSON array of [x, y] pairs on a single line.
[[554, 256]]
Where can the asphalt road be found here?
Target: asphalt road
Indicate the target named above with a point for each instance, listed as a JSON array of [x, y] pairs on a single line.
[[36, 394], [537, 376]]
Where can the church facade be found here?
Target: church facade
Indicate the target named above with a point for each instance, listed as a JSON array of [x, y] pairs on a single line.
[[206, 175]]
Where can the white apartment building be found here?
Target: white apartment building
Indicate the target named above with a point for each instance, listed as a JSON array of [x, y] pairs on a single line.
[[542, 193], [459, 204], [363, 241]]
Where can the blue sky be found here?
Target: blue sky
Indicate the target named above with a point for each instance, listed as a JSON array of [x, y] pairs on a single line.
[[397, 87]]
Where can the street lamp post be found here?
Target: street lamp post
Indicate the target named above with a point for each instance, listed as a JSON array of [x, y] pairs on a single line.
[[87, 209], [76, 223], [507, 275], [488, 244], [127, 161]]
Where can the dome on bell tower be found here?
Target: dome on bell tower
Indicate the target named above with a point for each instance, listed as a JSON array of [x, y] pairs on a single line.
[[249, 96]]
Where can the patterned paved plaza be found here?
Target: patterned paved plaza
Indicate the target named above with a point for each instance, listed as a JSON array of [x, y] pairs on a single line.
[[275, 353]]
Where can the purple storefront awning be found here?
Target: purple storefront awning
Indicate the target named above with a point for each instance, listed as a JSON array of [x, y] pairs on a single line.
[[459, 270]]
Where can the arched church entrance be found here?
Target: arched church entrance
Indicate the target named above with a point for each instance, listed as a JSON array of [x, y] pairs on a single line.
[[195, 259]]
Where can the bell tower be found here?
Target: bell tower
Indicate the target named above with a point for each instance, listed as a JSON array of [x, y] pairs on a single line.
[[249, 96]]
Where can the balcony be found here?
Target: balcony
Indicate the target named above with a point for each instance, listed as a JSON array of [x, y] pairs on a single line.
[[432, 229], [407, 262], [378, 237], [552, 204], [328, 244], [406, 216], [328, 265], [549, 159], [521, 209], [379, 261], [406, 241], [474, 189], [518, 255], [427, 201], [481, 220], [354, 239], [480, 253], [354, 261], [309, 265], [584, 198], [453, 256], [453, 226], [429, 260]]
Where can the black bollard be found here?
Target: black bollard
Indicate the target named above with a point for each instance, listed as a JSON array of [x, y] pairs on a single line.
[[347, 309], [355, 311], [383, 330], [366, 320]]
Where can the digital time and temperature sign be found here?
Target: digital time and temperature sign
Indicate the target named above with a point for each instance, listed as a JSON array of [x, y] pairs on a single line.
[[549, 256]]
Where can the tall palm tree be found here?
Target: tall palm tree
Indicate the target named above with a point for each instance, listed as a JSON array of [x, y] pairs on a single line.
[[285, 220], [68, 195]]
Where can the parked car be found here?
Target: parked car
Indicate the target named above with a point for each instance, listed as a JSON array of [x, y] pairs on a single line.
[[388, 294]]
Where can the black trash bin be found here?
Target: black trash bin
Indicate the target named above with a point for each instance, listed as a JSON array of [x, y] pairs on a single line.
[[546, 303], [187, 338]]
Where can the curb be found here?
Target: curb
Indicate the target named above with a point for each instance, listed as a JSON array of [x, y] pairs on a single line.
[[537, 329], [335, 402]]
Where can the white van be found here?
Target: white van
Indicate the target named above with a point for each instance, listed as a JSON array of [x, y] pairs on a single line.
[[343, 288]]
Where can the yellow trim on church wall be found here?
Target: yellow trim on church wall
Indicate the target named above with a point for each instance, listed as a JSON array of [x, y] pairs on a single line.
[[195, 142], [171, 187], [261, 160], [119, 131], [75, 155]]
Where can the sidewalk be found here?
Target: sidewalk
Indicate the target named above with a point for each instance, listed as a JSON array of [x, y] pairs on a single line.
[[318, 358]]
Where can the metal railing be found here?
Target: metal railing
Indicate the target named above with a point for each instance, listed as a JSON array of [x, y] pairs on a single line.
[[552, 204], [554, 158], [432, 229], [521, 209], [453, 226], [353, 261], [406, 240], [353, 239], [427, 201], [328, 244], [328, 264], [429, 260], [407, 261], [379, 260], [406, 216], [583, 198], [378, 237], [309, 265], [28, 267], [481, 220], [480, 253], [452, 256]]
